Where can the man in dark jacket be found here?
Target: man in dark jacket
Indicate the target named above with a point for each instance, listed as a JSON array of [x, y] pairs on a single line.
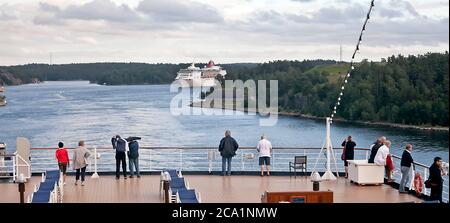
[[121, 147], [405, 167], [227, 148], [374, 148], [348, 152], [133, 158], [436, 180]]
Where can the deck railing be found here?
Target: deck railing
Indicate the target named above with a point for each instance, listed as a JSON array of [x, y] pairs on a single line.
[[10, 164], [208, 159], [197, 159]]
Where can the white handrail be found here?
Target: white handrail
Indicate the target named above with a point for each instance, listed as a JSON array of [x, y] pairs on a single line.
[[17, 157]]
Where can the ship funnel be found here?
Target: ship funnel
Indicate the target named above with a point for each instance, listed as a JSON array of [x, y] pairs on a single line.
[[210, 64]]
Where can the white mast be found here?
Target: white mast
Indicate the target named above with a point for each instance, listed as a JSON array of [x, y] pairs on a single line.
[[328, 175]]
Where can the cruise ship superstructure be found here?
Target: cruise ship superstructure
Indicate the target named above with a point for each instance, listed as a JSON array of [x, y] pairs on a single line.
[[195, 77]]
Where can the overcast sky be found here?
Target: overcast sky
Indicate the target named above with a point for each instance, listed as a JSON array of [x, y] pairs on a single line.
[[225, 31]]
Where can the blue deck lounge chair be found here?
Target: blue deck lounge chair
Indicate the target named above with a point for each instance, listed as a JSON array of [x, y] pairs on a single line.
[[187, 196], [41, 197]]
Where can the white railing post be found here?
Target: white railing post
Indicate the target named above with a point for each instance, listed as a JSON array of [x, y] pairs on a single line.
[[95, 175], [273, 161], [242, 160], [425, 177], [14, 168], [149, 159], [413, 173], [211, 157], [181, 159]]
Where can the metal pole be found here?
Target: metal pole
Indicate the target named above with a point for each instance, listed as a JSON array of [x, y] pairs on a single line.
[[14, 168], [328, 175], [166, 185], [210, 158], [318, 158], [21, 191], [95, 175], [150, 159], [425, 177], [242, 160], [411, 183]]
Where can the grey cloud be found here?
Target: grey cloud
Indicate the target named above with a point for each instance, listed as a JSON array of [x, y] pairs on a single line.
[[395, 9], [345, 24], [268, 16], [5, 14], [148, 14], [180, 11], [99, 10], [94, 10], [413, 31], [390, 13], [406, 5], [48, 7], [351, 14]]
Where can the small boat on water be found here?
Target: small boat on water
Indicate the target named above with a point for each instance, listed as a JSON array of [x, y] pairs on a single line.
[[2, 97]]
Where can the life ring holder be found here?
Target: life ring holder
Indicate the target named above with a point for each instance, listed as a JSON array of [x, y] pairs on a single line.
[[418, 183]]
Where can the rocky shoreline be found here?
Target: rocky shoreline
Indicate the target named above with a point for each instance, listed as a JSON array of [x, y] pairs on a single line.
[[7, 78], [296, 114]]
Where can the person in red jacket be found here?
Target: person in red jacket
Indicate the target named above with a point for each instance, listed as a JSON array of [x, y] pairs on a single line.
[[63, 159]]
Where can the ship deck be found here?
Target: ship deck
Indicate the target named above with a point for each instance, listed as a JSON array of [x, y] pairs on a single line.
[[212, 188]]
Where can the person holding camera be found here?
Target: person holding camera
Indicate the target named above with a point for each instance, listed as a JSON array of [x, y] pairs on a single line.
[[348, 152], [133, 157], [435, 180], [121, 147]]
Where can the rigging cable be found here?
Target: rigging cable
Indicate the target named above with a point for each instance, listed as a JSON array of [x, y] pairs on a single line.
[[351, 67]]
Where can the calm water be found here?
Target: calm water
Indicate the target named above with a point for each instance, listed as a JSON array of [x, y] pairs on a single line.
[[69, 111]]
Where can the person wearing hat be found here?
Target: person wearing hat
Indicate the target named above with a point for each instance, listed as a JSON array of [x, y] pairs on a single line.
[[133, 156]]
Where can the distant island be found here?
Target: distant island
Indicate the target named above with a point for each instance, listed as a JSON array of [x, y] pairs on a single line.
[[405, 90]]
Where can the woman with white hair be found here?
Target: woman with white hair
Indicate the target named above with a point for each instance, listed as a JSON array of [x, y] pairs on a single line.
[[80, 154], [380, 158]]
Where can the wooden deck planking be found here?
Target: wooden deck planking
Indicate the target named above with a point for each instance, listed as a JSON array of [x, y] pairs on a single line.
[[213, 189]]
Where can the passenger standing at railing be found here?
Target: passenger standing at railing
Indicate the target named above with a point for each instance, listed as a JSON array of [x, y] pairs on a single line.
[[374, 148], [264, 148], [121, 147], [133, 157], [381, 157], [405, 167], [348, 152], [436, 180], [227, 148], [80, 154], [62, 156]]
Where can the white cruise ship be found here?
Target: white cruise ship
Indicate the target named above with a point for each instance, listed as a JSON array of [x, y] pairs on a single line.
[[195, 77]]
